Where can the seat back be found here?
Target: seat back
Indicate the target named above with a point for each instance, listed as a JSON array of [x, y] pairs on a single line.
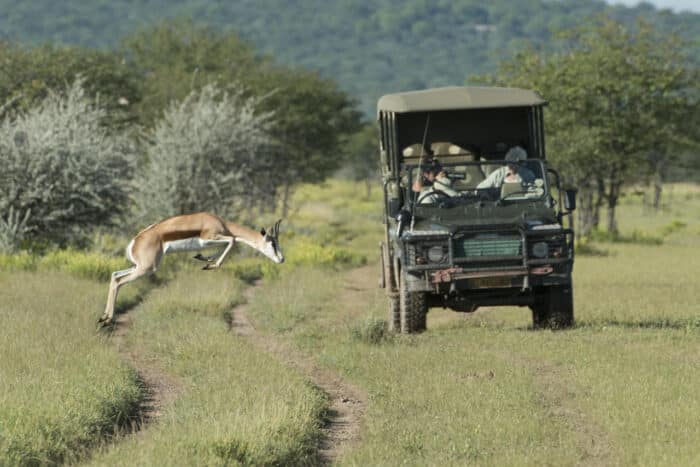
[[510, 187]]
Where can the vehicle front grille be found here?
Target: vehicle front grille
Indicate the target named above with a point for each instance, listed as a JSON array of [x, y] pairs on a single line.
[[475, 247]]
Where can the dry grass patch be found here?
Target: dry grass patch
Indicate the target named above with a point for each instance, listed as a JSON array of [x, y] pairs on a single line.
[[237, 404], [63, 388]]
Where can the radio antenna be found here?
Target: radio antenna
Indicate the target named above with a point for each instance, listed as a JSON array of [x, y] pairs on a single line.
[[420, 165]]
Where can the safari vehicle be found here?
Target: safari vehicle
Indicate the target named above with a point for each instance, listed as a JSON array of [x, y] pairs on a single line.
[[480, 244]]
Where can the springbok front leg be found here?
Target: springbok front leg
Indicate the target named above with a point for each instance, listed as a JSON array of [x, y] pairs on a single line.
[[230, 241]]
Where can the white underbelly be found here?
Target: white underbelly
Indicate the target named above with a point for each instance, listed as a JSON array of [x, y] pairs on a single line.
[[184, 244], [190, 244]]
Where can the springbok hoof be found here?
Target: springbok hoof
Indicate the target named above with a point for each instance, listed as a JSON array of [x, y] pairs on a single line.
[[104, 323]]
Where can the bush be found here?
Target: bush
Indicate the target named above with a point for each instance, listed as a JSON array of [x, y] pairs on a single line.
[[85, 265], [210, 152], [18, 262], [304, 252], [371, 331], [246, 269], [636, 236], [673, 227], [62, 172]]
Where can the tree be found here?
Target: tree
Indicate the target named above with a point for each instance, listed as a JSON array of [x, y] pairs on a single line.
[[616, 94], [63, 172], [313, 117], [31, 74], [211, 152], [361, 156]]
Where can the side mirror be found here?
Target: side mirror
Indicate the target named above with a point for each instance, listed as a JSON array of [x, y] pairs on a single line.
[[394, 207], [403, 218], [570, 199]]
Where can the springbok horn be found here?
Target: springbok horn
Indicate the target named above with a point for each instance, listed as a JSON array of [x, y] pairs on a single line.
[[276, 228]]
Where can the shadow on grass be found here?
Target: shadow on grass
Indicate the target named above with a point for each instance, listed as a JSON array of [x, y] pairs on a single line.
[[661, 323]]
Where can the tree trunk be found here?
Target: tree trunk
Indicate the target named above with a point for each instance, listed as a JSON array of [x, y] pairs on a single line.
[[585, 213], [600, 198], [285, 198], [613, 197], [658, 185]]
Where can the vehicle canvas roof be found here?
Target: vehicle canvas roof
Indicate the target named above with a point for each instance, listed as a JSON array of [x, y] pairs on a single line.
[[458, 97]]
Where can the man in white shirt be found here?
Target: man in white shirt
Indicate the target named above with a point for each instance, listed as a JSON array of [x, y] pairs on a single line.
[[512, 172]]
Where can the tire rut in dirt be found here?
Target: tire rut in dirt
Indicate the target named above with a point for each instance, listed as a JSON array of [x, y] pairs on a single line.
[[556, 392], [159, 389], [347, 403]]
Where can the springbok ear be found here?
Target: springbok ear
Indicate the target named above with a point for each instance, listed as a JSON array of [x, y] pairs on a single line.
[[262, 231]]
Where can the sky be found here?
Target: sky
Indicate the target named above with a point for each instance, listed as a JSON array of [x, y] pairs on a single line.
[[676, 5]]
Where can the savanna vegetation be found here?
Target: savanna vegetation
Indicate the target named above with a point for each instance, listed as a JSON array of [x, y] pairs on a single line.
[[481, 388], [360, 45], [485, 388], [623, 110], [96, 143]]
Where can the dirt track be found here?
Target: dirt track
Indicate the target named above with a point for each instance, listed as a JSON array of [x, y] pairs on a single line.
[[347, 403], [160, 388]]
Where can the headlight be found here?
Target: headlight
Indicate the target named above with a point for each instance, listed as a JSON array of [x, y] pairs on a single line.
[[540, 249], [437, 254]]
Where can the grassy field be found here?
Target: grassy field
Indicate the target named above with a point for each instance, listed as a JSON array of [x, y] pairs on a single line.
[[483, 388], [236, 404], [486, 389], [62, 387]]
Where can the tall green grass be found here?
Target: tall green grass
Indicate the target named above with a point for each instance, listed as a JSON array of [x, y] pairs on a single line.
[[237, 404], [86, 265], [485, 389], [63, 388]]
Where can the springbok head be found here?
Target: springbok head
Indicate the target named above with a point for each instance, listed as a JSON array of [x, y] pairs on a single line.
[[270, 244]]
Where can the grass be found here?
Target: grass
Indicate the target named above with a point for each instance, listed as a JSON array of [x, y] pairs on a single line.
[[485, 389], [237, 404], [479, 389], [63, 389]]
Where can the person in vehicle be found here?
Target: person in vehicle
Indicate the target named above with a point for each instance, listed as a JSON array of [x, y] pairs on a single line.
[[513, 172], [433, 178]]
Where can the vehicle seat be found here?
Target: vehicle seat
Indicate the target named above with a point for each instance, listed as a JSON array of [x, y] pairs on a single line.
[[510, 187], [473, 173]]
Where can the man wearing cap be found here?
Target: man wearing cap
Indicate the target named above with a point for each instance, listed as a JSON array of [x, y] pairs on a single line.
[[512, 172], [434, 178]]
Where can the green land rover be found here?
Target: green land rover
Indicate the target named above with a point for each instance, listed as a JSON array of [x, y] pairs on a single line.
[[473, 214]]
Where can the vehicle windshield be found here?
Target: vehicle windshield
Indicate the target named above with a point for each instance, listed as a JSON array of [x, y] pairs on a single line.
[[469, 182]]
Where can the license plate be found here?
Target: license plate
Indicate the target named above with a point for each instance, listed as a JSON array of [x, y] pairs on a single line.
[[489, 282]]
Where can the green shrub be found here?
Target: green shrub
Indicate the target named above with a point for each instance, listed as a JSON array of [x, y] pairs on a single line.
[[22, 261], [673, 227], [370, 331], [246, 269], [306, 253], [86, 265], [586, 248], [637, 237]]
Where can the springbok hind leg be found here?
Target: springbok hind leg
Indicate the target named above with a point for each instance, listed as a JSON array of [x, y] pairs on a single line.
[[119, 278]]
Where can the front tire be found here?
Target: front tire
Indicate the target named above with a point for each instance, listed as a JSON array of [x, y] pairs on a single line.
[[394, 314], [413, 308], [554, 308], [390, 285]]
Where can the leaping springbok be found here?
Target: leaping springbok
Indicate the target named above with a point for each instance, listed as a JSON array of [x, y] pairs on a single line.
[[189, 232]]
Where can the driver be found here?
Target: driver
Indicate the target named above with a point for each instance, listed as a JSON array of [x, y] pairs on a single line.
[[434, 179], [513, 172]]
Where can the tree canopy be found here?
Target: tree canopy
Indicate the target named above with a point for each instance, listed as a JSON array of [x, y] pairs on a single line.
[[620, 98], [369, 48]]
